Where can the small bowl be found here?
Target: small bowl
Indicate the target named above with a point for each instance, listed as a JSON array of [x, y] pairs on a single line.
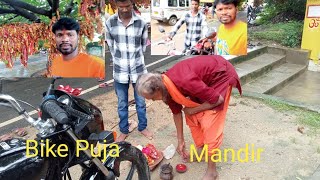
[[181, 168]]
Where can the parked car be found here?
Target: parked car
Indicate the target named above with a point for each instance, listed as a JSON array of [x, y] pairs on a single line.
[[169, 11]]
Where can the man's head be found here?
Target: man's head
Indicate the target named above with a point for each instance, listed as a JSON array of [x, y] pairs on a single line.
[[66, 31], [226, 10], [194, 5], [150, 86], [125, 8]]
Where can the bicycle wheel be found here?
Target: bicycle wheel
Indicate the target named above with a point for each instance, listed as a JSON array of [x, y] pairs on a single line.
[[139, 168]]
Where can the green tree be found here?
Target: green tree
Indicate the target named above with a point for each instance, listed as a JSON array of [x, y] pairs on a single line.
[[35, 10], [284, 10], [25, 23]]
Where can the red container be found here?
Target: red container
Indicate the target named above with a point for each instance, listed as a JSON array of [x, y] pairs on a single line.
[[181, 168]]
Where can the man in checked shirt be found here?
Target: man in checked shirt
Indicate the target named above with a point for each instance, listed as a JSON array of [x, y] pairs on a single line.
[[196, 25], [127, 37]]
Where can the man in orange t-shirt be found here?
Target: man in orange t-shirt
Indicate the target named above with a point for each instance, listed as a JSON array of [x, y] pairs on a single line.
[[72, 63], [232, 35]]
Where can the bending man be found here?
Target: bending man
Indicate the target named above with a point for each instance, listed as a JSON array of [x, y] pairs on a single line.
[[207, 82]]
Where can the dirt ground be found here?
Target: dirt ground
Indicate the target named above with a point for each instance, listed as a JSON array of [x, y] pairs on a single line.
[[287, 153]]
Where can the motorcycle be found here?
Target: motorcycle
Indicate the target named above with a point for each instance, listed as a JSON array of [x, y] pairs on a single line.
[[197, 49], [74, 127], [252, 12]]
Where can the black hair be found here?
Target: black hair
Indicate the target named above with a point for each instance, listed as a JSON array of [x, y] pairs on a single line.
[[198, 1], [67, 24], [122, 0], [234, 2]]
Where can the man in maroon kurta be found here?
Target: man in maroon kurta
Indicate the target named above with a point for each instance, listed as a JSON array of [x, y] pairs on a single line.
[[203, 78], [203, 86]]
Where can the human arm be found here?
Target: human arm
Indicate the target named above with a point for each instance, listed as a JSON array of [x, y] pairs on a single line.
[[109, 38], [202, 107], [204, 26], [177, 27], [178, 121], [144, 37]]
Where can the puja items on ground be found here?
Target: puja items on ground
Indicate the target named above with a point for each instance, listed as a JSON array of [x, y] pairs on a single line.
[[166, 172], [181, 168], [152, 155]]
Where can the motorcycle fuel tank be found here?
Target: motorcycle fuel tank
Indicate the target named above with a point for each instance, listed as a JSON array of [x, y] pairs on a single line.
[[14, 164]]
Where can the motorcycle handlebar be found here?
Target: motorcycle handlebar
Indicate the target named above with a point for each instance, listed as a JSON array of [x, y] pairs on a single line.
[[51, 107]]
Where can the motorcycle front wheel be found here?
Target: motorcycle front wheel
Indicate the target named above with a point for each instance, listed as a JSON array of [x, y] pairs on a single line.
[[131, 164]]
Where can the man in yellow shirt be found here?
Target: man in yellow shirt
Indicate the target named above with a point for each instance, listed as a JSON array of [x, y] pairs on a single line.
[[71, 62], [232, 34]]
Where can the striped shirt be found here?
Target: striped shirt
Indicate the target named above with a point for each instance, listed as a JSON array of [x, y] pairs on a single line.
[[196, 28], [127, 44]]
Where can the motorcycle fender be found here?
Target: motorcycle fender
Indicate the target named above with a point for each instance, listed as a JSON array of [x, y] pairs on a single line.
[[109, 162]]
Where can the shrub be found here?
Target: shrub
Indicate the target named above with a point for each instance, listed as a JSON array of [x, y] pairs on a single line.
[[287, 34]]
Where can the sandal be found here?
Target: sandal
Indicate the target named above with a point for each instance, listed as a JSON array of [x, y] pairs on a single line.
[[20, 132], [103, 85]]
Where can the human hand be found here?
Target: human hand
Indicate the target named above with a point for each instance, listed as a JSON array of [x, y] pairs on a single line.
[[207, 45], [189, 111], [182, 151]]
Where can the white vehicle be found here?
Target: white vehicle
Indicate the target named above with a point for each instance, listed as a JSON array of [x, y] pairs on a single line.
[[145, 14], [169, 11]]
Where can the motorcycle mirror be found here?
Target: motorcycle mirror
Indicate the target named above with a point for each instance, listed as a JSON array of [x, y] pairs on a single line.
[[161, 29], [51, 86]]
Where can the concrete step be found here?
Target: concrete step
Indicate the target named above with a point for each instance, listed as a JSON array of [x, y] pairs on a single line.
[[305, 89], [261, 64], [276, 79], [252, 53]]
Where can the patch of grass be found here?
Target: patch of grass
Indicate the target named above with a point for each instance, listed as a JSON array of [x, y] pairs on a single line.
[[306, 117], [287, 34], [310, 118], [280, 106]]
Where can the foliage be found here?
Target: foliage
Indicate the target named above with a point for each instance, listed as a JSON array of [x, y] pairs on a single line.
[[21, 39], [139, 3], [288, 34], [283, 10]]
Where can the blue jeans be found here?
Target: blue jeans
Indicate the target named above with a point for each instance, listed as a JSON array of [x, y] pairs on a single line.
[[122, 94]]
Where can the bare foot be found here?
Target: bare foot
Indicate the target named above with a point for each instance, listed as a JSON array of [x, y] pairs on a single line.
[[122, 137], [147, 134], [210, 176]]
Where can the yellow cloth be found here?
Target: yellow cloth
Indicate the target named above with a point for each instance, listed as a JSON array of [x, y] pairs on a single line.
[[83, 65], [232, 41]]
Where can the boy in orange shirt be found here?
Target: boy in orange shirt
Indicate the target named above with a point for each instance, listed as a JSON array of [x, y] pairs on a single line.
[[71, 62]]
